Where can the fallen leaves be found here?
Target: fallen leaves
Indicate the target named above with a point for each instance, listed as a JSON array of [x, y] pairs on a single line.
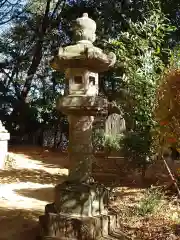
[[160, 225]]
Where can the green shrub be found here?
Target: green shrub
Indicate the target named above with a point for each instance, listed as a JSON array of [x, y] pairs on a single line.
[[98, 139], [150, 202], [112, 143]]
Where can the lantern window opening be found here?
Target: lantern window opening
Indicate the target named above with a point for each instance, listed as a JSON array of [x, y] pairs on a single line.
[[92, 80], [78, 80]]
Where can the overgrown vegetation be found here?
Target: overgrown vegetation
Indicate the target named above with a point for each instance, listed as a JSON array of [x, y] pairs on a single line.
[[142, 57], [106, 143], [166, 114], [150, 202]]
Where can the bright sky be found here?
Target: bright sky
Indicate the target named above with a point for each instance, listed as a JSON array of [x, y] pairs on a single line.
[[5, 26]]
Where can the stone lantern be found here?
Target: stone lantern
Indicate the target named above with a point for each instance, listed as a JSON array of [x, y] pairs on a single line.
[[79, 208]]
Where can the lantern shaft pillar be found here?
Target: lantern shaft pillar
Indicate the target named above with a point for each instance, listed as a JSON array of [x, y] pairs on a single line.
[[80, 148]]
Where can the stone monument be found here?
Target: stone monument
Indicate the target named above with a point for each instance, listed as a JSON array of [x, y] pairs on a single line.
[[79, 209], [4, 137]]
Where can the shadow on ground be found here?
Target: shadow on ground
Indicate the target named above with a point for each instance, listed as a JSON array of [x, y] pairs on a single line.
[[26, 175], [46, 156], [18, 224], [42, 194]]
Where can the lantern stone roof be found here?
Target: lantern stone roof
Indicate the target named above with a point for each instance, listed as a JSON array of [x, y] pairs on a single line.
[[83, 54]]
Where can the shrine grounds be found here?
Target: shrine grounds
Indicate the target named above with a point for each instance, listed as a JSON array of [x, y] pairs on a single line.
[[28, 182]]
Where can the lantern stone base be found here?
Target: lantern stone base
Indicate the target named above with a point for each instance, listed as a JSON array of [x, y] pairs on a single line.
[[78, 213], [68, 227]]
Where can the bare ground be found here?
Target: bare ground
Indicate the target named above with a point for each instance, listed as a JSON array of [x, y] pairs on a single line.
[[26, 188]]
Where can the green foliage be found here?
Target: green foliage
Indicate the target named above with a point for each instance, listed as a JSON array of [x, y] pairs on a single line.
[[175, 58], [138, 29], [102, 141], [141, 59], [135, 146], [98, 139], [150, 202], [112, 143], [167, 102]]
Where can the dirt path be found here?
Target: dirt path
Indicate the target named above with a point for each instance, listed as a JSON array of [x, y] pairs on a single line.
[[26, 188]]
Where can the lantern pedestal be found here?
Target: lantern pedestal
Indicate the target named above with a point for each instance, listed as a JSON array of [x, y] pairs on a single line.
[[79, 212]]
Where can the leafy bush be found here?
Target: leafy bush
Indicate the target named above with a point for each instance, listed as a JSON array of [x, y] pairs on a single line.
[[135, 146], [98, 139], [150, 202], [141, 60], [167, 103], [102, 141], [112, 143]]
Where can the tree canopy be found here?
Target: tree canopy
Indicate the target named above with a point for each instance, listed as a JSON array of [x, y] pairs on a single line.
[[142, 34]]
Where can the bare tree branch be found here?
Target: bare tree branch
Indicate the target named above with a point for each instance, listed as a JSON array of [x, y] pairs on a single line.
[[57, 6]]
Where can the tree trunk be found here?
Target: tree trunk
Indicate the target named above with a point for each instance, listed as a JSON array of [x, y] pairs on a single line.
[[37, 53]]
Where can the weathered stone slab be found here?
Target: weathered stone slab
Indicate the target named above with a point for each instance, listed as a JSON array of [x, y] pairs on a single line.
[[83, 105], [61, 226]]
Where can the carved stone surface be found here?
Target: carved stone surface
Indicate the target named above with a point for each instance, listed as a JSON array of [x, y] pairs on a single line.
[[81, 200], [85, 29], [80, 148], [83, 55], [83, 105], [2, 128], [4, 137]]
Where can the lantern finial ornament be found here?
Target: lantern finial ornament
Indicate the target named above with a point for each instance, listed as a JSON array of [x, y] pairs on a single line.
[[83, 54], [85, 29], [85, 15]]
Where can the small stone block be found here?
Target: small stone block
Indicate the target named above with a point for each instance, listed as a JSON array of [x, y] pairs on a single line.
[[4, 136]]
